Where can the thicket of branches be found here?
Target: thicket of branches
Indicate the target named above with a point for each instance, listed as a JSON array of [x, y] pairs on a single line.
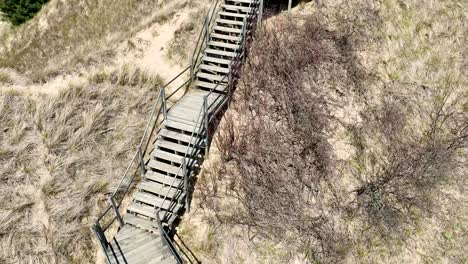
[[278, 162]]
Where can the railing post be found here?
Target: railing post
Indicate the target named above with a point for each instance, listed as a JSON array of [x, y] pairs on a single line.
[[260, 15], [141, 161], [206, 33], [102, 239], [164, 105], [205, 115], [116, 211], [186, 184]]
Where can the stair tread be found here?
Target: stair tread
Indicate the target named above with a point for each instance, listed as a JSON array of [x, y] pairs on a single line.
[[149, 211], [244, 1], [157, 165], [226, 37], [142, 223], [216, 60], [157, 188], [228, 21], [228, 29], [222, 53], [224, 13], [180, 126], [237, 8], [214, 68], [176, 135], [157, 202], [223, 45], [213, 77], [162, 178], [218, 87]]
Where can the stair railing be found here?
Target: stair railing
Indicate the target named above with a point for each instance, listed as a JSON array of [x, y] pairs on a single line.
[[202, 124], [112, 213], [138, 159], [203, 37]]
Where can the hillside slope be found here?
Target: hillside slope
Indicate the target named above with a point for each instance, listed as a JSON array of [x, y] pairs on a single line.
[[345, 141], [76, 86]]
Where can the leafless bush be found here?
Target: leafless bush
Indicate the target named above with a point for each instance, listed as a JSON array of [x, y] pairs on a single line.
[[413, 151], [280, 163]]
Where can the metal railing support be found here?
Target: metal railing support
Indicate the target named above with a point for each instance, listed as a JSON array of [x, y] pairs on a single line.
[[164, 104], [260, 15], [116, 211], [205, 115], [207, 35], [141, 161], [102, 239], [186, 184]]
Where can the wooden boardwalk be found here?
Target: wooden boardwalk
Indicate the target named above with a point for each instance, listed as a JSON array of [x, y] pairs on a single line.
[[180, 145]]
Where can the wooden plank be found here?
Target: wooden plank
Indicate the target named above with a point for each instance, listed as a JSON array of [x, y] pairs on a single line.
[[213, 68], [159, 177], [218, 87], [235, 39], [157, 165], [230, 22], [175, 135], [244, 1], [156, 188], [141, 223], [228, 29], [223, 45], [237, 8], [231, 14], [178, 125], [221, 53], [213, 77], [156, 201], [216, 60]]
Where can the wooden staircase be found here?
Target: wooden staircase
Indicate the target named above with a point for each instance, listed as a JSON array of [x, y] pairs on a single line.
[[162, 195]]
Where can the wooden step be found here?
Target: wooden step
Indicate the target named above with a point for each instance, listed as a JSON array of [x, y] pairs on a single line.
[[236, 8], [224, 13], [228, 29], [180, 126], [137, 253], [157, 202], [162, 178], [216, 60], [221, 53], [213, 77], [161, 166], [150, 212], [161, 154], [229, 22], [182, 149], [145, 210], [142, 223], [236, 39], [158, 188], [208, 85], [176, 135], [128, 232], [213, 68], [132, 247], [250, 2], [223, 45]]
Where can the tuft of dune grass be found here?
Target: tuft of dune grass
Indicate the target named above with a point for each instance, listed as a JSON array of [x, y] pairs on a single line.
[[60, 155]]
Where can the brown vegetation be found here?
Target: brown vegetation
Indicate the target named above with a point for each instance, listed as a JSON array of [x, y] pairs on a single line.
[[281, 176]]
